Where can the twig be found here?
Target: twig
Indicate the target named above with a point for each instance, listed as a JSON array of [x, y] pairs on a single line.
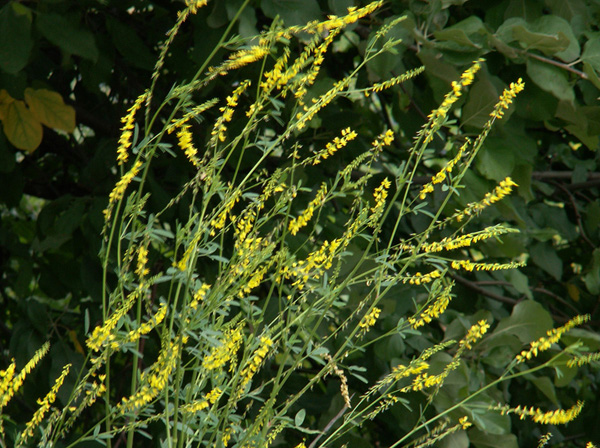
[[329, 425], [556, 64], [483, 291]]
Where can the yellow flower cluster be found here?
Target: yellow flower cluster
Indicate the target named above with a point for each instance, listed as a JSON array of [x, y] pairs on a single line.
[[438, 115], [219, 221], [552, 337], [119, 191], [184, 137], [424, 381], [45, 404], [145, 328], [9, 384], [142, 261], [318, 104], [450, 243], [297, 223], [199, 295], [441, 175], [475, 333], [433, 311], [196, 406], [354, 14], [239, 59], [369, 320], [421, 279], [557, 417], [502, 190], [470, 266], [582, 360], [103, 334], [380, 195], [507, 98], [194, 5], [226, 351], [152, 382], [315, 264], [332, 147], [219, 129], [127, 129], [254, 363]]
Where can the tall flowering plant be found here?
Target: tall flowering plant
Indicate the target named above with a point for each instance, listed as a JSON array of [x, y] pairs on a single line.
[[246, 303]]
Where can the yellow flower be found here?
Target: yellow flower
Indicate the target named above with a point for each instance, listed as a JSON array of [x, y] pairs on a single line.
[[557, 417], [433, 311], [297, 223], [126, 130], [332, 147], [369, 320], [507, 98], [119, 191], [552, 337], [475, 333], [45, 404], [502, 190]]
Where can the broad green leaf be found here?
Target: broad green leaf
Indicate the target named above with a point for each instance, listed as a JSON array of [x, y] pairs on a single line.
[[455, 440], [545, 385], [591, 53], [482, 98], [69, 37], [480, 439], [130, 45], [546, 258], [15, 37], [592, 278], [49, 108], [550, 34], [495, 160], [529, 321], [293, 12], [551, 79], [21, 127], [470, 32]]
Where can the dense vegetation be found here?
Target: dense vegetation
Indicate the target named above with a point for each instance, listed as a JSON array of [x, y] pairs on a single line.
[[69, 72]]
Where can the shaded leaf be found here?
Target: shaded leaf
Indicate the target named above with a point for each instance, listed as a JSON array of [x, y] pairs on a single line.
[[528, 321], [130, 45], [15, 37], [551, 79], [49, 108], [480, 439], [70, 38], [21, 127], [546, 258], [591, 53], [293, 12]]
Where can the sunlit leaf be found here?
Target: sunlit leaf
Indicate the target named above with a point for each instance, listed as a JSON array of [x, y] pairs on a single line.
[[49, 108]]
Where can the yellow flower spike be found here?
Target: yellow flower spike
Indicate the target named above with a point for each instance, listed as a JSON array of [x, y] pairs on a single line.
[[184, 137], [45, 405], [119, 191], [441, 175], [475, 333], [503, 189], [369, 320], [332, 147], [557, 417], [552, 337], [507, 98], [126, 131], [219, 128], [434, 310], [297, 223], [380, 195]]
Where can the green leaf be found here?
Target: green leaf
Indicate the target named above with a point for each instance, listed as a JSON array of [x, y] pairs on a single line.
[[495, 160], [545, 385], [591, 53], [15, 37], [69, 37], [529, 321], [546, 258], [480, 439], [592, 278], [470, 33], [49, 108], [293, 12], [299, 418], [130, 45], [21, 127], [551, 79], [482, 98], [550, 34]]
